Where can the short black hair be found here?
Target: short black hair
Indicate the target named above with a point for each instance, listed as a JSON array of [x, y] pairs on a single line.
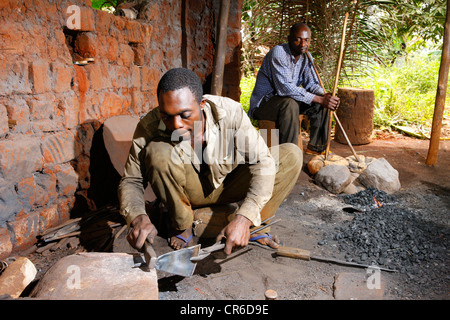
[[179, 78], [297, 26]]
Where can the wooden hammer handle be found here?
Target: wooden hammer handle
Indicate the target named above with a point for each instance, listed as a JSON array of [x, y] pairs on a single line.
[[294, 253]]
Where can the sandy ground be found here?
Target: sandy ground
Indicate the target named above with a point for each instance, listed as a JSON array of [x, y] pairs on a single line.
[[306, 215]]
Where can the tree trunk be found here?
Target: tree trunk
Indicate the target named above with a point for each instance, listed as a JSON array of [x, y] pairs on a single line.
[[356, 115], [439, 106]]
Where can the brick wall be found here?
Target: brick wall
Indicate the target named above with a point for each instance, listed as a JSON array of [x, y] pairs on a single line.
[[51, 110]]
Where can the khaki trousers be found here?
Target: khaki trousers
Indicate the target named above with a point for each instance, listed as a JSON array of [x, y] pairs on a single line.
[[182, 189]]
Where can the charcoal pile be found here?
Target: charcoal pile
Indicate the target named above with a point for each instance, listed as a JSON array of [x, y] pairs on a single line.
[[386, 233], [368, 199]]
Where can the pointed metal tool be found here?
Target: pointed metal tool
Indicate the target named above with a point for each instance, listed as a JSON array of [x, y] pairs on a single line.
[[183, 262]]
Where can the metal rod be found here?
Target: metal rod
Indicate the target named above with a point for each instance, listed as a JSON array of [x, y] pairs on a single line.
[[263, 227], [352, 264]]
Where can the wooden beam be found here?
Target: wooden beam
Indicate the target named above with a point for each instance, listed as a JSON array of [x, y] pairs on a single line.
[[439, 106], [221, 49]]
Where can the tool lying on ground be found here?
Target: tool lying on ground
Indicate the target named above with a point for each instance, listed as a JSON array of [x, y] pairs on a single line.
[[306, 255], [183, 262]]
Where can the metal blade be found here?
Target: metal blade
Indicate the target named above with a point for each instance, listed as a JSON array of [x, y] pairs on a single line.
[[178, 262]]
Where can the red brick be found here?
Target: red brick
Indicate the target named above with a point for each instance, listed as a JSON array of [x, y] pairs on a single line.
[[82, 169], [103, 22], [113, 49], [43, 106], [14, 78], [18, 112], [9, 203], [62, 76], [4, 127], [90, 110], [135, 77], [112, 105], [85, 135], [126, 55], [81, 79], [120, 22], [86, 44], [69, 106], [139, 54], [26, 192], [25, 228], [67, 180], [58, 147], [48, 218], [45, 188], [149, 79], [94, 74], [40, 75], [20, 157], [87, 17], [13, 37], [6, 246], [65, 205], [120, 76], [137, 102], [134, 31]]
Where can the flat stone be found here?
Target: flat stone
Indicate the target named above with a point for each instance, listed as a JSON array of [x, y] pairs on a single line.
[[359, 286], [97, 276], [118, 136]]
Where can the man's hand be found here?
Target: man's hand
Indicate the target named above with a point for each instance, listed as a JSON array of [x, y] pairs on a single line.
[[327, 101], [141, 228], [237, 233]]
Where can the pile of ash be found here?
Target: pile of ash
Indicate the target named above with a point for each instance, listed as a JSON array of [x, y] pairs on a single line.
[[386, 233]]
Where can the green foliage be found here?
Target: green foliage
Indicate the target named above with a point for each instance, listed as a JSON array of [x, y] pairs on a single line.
[[405, 92], [247, 84]]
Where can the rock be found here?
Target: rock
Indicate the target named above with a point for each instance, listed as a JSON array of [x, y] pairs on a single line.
[[380, 175], [334, 178], [317, 162], [17, 277], [359, 286], [118, 135], [354, 186], [97, 276]]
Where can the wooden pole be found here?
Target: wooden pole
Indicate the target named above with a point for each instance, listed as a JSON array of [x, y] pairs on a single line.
[[335, 115], [439, 106], [221, 49], [336, 81]]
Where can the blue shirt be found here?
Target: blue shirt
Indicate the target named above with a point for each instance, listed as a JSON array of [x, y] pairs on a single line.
[[280, 75]]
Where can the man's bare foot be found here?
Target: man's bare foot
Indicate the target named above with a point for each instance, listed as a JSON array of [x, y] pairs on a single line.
[[182, 239], [266, 239]]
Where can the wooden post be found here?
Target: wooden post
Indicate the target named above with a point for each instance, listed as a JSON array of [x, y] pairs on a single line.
[[221, 49], [336, 81], [440, 94]]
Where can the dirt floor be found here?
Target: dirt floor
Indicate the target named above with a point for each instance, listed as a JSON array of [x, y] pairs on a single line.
[[308, 214]]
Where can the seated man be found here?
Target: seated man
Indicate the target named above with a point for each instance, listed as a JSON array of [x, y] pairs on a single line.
[[195, 151], [278, 97]]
